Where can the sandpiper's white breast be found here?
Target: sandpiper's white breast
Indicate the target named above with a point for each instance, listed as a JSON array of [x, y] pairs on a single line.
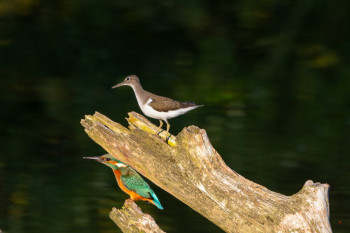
[[150, 112]]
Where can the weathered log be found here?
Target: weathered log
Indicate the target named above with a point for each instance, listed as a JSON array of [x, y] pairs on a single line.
[[131, 219], [190, 169]]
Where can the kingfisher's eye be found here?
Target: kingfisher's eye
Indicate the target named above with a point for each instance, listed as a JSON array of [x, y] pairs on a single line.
[[108, 159]]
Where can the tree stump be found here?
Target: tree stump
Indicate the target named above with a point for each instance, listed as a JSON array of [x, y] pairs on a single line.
[[189, 168], [131, 219]]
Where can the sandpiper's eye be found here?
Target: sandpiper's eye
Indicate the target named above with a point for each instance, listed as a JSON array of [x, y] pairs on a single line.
[[108, 159], [127, 79]]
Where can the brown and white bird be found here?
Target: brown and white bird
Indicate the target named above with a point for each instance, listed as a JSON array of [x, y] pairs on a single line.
[[154, 106]]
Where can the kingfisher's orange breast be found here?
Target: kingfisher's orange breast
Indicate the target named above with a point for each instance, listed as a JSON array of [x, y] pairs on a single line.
[[133, 196]]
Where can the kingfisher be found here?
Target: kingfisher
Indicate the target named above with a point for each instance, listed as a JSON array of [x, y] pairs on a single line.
[[129, 180]]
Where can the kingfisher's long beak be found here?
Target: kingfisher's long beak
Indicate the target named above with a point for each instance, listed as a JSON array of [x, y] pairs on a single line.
[[118, 85], [98, 159]]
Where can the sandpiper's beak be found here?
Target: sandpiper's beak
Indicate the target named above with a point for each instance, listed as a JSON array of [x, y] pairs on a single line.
[[119, 85], [98, 159]]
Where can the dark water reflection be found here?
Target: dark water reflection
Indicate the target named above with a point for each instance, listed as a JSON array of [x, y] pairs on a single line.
[[276, 96]]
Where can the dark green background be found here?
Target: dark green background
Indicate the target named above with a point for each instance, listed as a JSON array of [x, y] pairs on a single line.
[[274, 77]]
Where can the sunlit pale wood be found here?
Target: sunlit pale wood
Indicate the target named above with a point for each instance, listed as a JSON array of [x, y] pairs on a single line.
[[132, 219], [190, 169]]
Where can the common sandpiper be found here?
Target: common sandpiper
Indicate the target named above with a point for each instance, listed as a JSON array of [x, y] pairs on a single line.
[[155, 106]]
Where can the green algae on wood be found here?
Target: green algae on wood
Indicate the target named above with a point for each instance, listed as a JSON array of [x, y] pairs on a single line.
[[140, 122]]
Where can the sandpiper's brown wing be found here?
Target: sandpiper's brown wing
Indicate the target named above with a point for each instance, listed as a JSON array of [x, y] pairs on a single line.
[[163, 104]]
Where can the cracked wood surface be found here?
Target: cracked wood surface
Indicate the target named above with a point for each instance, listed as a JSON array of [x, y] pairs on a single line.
[[190, 169], [132, 219]]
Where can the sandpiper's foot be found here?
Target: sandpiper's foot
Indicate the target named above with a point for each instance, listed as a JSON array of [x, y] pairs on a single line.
[[167, 138], [167, 131], [128, 202], [160, 131]]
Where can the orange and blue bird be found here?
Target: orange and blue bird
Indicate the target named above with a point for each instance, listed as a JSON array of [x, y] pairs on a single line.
[[129, 180]]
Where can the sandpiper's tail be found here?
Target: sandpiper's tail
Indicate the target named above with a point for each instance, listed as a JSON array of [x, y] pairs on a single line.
[[155, 200], [189, 104]]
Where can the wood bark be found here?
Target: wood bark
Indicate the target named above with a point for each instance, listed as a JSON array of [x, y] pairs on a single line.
[[189, 168], [131, 219]]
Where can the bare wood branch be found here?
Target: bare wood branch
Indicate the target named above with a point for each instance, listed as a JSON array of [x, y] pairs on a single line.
[[190, 169], [132, 219]]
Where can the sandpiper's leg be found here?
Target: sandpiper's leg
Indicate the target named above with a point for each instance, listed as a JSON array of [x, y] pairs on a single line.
[[167, 131], [160, 127]]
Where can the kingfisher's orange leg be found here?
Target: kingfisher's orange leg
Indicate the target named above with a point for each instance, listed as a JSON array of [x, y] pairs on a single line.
[[128, 202]]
